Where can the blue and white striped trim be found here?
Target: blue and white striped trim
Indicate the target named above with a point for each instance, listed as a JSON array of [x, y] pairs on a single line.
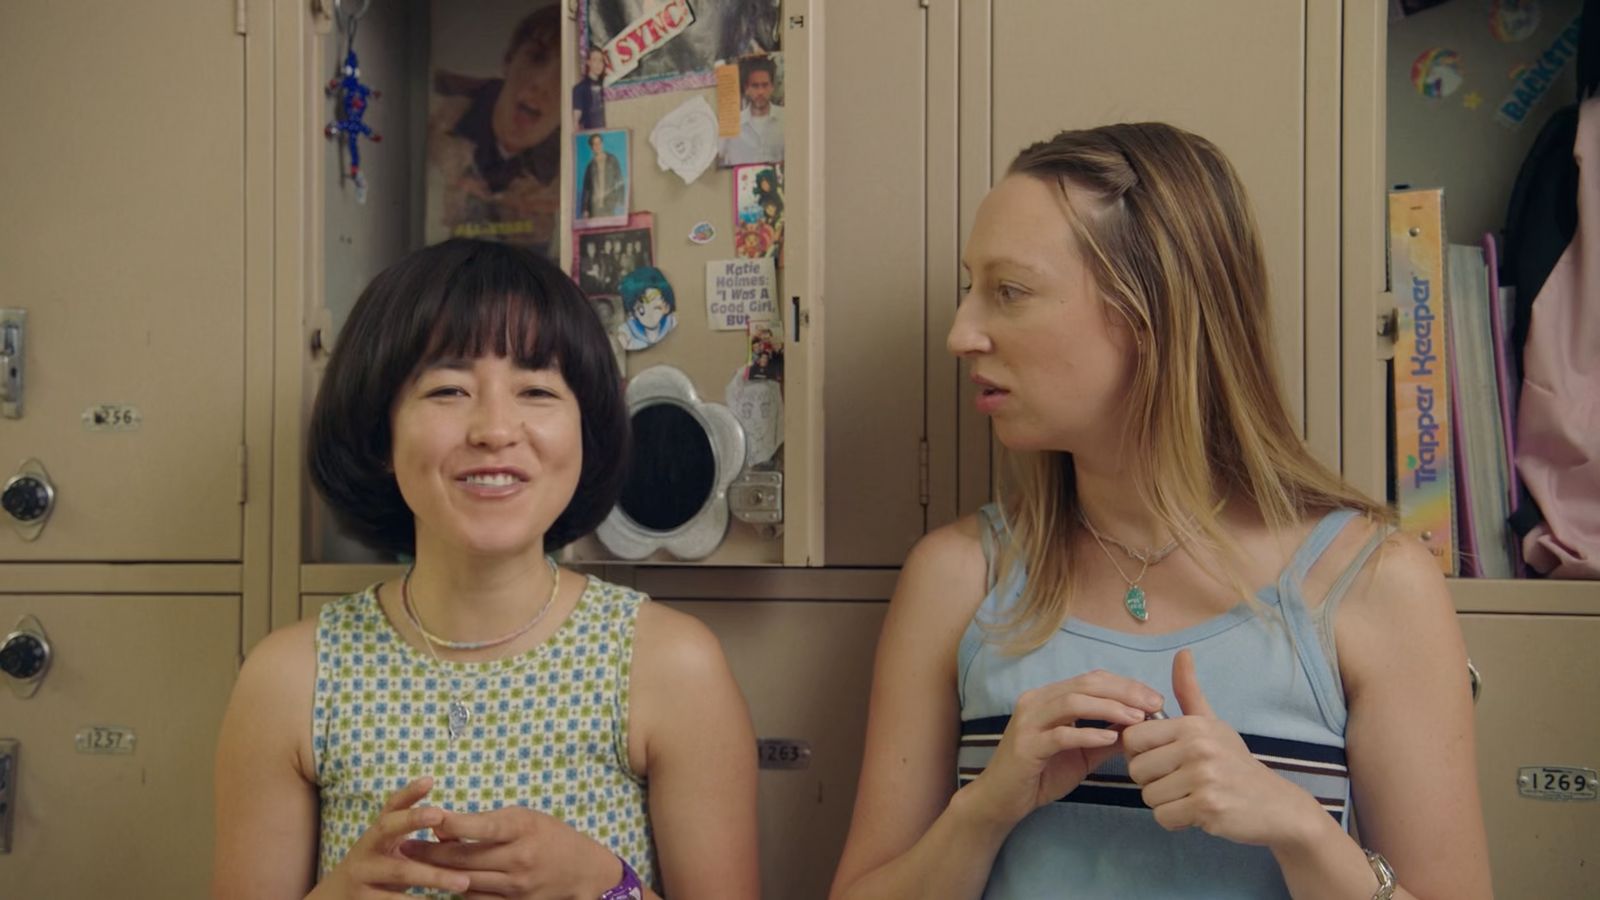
[[1318, 768]]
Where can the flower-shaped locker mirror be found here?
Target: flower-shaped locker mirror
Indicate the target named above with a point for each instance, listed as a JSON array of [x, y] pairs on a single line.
[[685, 454]]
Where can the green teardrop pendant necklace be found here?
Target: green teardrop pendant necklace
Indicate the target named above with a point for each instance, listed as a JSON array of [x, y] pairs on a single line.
[[1134, 600]]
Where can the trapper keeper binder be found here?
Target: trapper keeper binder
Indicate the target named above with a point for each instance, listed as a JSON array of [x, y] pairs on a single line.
[[1423, 467]]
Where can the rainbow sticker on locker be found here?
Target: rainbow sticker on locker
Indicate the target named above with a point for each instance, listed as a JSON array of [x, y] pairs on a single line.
[[1513, 20], [1437, 72]]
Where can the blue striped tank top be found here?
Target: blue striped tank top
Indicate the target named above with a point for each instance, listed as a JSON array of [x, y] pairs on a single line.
[[1283, 696]]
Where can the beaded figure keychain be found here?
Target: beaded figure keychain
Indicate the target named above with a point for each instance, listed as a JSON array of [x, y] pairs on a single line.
[[352, 97]]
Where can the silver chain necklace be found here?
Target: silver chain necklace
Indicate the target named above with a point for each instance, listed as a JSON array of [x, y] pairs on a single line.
[[1138, 555], [457, 715], [416, 621], [1134, 600]]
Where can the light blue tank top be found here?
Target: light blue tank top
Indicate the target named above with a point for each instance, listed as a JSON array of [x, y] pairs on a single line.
[[1283, 696]]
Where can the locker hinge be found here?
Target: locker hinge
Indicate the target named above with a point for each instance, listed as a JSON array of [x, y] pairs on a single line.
[[923, 3], [924, 485], [244, 473], [240, 25]]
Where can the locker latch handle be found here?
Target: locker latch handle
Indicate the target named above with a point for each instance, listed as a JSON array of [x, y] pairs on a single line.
[[8, 790], [13, 325]]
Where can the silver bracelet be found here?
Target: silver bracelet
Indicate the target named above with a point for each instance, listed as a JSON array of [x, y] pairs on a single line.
[[1385, 873]]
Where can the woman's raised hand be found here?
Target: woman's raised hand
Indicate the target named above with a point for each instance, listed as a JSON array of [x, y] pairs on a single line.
[[375, 865], [1044, 754]]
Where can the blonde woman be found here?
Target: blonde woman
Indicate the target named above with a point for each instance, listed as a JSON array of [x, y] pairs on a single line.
[[1178, 653]]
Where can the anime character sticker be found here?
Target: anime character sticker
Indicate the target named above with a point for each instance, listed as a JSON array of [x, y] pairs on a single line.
[[758, 211], [649, 309]]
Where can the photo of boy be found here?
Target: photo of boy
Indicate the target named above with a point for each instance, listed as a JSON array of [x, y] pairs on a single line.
[[588, 95], [494, 126], [602, 198]]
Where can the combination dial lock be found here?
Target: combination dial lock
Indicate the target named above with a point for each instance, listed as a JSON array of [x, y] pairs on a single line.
[[28, 498], [25, 656]]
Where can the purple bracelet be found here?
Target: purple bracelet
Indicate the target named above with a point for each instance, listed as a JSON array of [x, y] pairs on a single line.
[[628, 888]]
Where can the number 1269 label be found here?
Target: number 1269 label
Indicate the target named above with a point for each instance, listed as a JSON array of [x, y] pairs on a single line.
[[1558, 783]]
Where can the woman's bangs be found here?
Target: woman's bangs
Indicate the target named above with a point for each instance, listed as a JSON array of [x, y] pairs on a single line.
[[473, 324]]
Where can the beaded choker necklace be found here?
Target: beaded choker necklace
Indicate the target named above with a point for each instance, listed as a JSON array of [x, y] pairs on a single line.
[[416, 621], [457, 714]]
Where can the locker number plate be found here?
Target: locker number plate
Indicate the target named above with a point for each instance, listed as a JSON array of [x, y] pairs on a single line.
[[105, 739], [781, 753], [112, 417], [1558, 783]]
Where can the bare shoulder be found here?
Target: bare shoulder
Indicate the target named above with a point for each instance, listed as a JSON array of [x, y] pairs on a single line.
[[1400, 584], [946, 570], [950, 547], [674, 645], [1398, 608], [943, 582], [682, 695], [1410, 737], [271, 707], [286, 656], [265, 775]]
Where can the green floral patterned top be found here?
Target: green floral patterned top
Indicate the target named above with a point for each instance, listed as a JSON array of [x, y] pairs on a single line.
[[548, 729]]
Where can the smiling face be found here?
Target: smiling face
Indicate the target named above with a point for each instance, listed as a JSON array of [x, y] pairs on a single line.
[[651, 308], [528, 109], [487, 454], [1051, 359]]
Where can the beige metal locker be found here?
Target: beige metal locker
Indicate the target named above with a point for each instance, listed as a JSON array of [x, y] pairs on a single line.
[[1530, 639], [341, 244], [1238, 75], [1536, 710], [136, 184], [110, 786], [806, 671], [889, 466], [124, 242]]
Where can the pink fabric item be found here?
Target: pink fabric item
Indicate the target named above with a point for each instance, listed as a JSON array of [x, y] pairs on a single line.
[[1558, 420]]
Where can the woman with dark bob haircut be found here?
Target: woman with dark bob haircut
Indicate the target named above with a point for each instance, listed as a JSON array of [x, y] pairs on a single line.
[[489, 723]]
